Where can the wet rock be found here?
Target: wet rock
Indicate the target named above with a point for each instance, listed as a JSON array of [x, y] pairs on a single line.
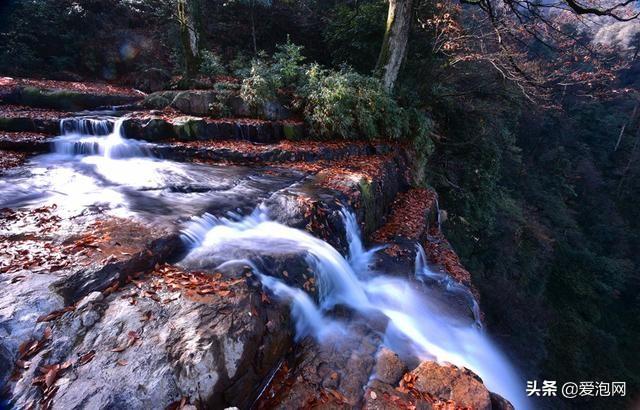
[[330, 374], [151, 345], [151, 128], [19, 123], [189, 128], [152, 79], [382, 396], [389, 368], [25, 141], [293, 131], [452, 383]]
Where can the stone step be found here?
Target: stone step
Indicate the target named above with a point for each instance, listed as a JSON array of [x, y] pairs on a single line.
[[19, 118], [25, 141], [245, 152], [158, 126], [162, 126], [63, 95]]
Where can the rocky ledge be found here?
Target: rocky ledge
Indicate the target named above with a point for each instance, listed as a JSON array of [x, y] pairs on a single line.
[[98, 312]]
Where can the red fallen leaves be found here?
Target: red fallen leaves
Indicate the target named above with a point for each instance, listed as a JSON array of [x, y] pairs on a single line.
[[407, 386], [56, 314], [408, 216], [439, 251], [27, 350], [22, 111], [31, 249], [132, 338], [7, 83], [178, 405], [46, 382], [86, 357], [297, 147], [23, 137], [10, 159], [195, 283]]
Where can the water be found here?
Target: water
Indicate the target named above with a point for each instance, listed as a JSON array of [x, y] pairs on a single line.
[[417, 322], [100, 137], [94, 166]]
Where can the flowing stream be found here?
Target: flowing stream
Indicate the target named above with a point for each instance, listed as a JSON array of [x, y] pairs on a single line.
[[93, 166], [416, 321]]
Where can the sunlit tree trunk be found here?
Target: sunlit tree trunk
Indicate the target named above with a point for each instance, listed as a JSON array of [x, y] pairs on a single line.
[[394, 44], [189, 37]]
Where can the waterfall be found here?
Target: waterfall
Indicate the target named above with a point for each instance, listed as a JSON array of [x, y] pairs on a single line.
[[417, 322], [424, 274], [97, 137]]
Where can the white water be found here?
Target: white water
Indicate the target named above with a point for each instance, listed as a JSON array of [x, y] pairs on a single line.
[[101, 137], [417, 322]]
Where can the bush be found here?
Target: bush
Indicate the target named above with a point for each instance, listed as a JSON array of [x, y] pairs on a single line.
[[335, 103], [350, 105], [210, 64]]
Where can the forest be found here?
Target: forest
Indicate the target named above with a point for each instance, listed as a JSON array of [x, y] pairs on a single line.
[[522, 115]]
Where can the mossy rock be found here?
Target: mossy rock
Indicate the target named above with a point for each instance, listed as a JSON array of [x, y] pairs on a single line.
[[65, 99], [190, 128], [293, 131], [150, 129], [23, 124]]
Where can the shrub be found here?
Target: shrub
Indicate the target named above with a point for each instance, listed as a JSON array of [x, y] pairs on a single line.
[[261, 85], [210, 64], [350, 105], [224, 93], [335, 103]]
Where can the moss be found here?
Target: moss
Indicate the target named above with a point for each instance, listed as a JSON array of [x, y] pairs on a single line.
[[189, 128], [368, 203], [17, 124], [292, 132]]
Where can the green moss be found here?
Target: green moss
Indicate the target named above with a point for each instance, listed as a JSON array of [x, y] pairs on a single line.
[[189, 128], [368, 203], [290, 132]]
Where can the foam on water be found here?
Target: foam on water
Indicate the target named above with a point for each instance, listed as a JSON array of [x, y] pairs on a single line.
[[416, 322], [101, 137]]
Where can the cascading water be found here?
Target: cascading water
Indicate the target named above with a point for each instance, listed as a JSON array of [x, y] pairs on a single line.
[[101, 137], [416, 322], [424, 273]]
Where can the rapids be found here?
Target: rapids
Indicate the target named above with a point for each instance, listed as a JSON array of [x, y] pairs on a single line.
[[417, 322], [93, 166]]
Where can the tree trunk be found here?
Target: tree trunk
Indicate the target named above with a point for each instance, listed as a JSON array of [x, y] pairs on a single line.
[[187, 18], [253, 27], [394, 45]]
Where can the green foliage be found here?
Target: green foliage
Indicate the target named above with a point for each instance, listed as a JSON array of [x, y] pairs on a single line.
[[347, 104], [225, 91], [354, 32], [210, 64], [335, 103]]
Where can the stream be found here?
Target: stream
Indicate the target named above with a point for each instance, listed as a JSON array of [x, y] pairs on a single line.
[[224, 222]]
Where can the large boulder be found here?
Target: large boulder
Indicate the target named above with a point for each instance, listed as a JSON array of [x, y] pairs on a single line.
[[452, 383], [161, 338]]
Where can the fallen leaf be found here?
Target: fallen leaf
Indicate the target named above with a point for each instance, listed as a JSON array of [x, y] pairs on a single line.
[[51, 375], [122, 362], [86, 357]]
